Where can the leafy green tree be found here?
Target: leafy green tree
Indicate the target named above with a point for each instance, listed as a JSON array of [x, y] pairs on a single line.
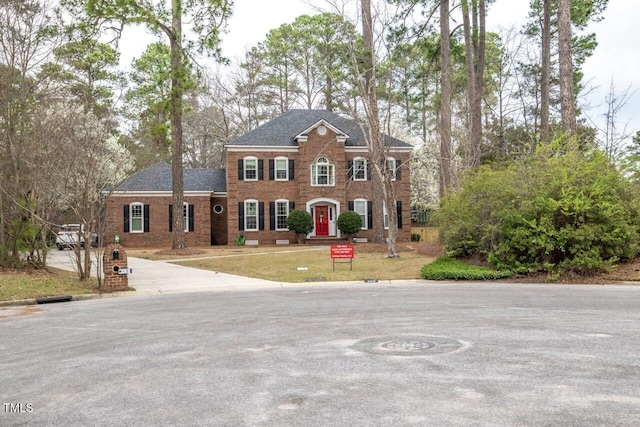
[[205, 18], [148, 103], [349, 223], [87, 68], [301, 222]]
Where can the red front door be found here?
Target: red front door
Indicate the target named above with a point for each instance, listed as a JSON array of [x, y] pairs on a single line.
[[322, 220]]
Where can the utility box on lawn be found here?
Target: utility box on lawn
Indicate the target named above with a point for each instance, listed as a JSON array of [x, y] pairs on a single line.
[[116, 271]]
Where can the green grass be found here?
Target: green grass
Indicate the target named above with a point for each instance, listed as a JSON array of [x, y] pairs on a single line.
[[19, 284], [284, 266], [445, 268]]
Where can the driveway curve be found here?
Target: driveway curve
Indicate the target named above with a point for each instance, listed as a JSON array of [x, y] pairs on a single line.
[[164, 277]]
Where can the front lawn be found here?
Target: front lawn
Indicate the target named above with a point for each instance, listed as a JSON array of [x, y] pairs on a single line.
[[26, 284], [305, 265]]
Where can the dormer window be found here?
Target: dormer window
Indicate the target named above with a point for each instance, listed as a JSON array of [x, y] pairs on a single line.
[[322, 173]]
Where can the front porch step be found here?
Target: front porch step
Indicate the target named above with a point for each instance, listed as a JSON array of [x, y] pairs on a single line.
[[326, 240]]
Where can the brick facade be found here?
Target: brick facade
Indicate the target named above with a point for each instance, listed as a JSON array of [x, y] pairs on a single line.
[[158, 233], [301, 192]]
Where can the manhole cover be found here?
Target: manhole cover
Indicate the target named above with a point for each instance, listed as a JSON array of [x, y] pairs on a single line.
[[408, 345]]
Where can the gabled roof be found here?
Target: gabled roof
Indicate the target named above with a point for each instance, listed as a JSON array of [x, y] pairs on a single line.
[[282, 131], [157, 178]]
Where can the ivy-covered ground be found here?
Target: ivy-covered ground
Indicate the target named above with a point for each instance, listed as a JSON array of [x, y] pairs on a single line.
[[625, 272]]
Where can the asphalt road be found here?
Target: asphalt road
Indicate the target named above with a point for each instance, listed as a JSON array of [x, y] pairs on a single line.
[[430, 354]]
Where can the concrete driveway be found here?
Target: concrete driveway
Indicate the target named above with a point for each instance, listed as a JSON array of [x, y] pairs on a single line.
[[164, 277], [423, 354]]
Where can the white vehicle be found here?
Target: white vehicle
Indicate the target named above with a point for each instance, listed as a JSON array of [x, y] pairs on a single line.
[[70, 234]]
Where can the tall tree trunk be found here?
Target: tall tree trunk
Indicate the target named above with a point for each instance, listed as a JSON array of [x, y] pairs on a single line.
[[545, 96], [177, 76], [445, 100], [567, 103], [380, 173], [474, 39]]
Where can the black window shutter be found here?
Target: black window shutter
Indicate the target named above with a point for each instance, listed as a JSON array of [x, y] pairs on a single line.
[[170, 218], [351, 206], [146, 218], [271, 168], [191, 218], [240, 169], [399, 212], [272, 215], [291, 170], [241, 216], [126, 218], [368, 167], [292, 206], [350, 170], [260, 170], [369, 215], [398, 171], [260, 215]]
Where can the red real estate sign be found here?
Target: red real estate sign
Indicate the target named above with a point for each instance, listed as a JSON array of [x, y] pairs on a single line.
[[341, 251]]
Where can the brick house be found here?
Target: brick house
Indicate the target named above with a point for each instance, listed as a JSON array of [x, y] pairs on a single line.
[[314, 160]]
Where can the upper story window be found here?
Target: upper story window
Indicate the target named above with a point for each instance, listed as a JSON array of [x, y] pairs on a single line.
[[281, 166], [391, 164], [136, 218], [250, 169], [322, 172], [359, 169]]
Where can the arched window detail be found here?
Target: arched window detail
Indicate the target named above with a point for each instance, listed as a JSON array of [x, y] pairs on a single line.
[[322, 173]]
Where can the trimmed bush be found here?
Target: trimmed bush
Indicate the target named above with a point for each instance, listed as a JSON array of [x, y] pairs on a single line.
[[445, 268], [301, 222], [349, 223]]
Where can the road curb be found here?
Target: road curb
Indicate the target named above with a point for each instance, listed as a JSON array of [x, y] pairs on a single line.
[[79, 297]]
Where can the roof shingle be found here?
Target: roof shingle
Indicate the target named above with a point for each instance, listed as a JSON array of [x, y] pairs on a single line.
[[281, 131], [158, 178]]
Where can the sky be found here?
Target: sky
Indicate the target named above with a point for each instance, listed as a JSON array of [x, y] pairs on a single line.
[[617, 56]]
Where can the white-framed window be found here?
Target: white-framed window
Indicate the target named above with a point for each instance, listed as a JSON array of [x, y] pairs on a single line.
[[136, 217], [392, 165], [359, 169], [360, 207], [185, 216], [386, 215], [281, 166], [251, 215], [281, 214], [322, 172], [250, 169]]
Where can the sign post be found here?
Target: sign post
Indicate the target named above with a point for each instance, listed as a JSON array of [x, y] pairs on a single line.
[[342, 252]]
